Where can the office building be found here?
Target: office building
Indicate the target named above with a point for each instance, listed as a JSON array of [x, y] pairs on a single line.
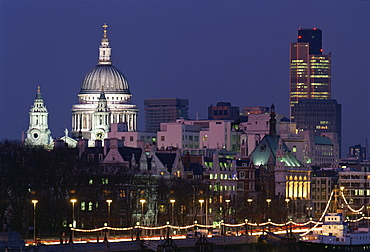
[[164, 110], [358, 152], [310, 70], [223, 110], [319, 117]]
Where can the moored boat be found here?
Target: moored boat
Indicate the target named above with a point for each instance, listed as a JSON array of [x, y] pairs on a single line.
[[335, 235]]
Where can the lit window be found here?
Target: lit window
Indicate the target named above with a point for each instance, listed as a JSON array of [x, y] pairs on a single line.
[[83, 206], [90, 206]]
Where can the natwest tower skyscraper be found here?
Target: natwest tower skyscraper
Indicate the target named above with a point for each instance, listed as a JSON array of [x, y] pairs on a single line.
[[310, 70]]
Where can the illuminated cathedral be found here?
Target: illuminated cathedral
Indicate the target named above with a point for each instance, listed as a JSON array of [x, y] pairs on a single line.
[[104, 98]]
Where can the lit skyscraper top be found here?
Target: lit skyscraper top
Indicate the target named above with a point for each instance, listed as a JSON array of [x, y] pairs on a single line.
[[310, 70]]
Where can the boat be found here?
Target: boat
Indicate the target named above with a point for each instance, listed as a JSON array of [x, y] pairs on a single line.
[[336, 235]]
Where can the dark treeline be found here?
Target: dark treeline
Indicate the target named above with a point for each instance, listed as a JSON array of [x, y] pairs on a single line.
[[53, 177], [34, 173]]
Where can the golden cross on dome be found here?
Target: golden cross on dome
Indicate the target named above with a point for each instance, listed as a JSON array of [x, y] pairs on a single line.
[[105, 30], [38, 89]]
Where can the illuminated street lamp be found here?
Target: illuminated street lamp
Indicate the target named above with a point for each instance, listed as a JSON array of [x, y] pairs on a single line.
[[227, 207], [250, 207], [109, 201], [268, 207], [201, 201], [73, 201], [142, 201], [172, 201], [34, 219], [287, 206]]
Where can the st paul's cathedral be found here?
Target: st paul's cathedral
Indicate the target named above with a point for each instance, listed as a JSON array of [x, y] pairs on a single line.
[[104, 98]]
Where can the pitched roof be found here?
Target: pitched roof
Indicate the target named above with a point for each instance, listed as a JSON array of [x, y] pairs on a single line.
[[126, 153], [167, 159], [265, 152]]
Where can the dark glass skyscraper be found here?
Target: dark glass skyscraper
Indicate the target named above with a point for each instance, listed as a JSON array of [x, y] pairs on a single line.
[[313, 37]]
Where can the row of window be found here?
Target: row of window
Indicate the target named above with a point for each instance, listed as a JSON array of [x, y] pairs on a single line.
[[104, 181]]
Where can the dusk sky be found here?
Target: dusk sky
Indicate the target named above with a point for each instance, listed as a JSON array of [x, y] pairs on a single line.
[[206, 51]]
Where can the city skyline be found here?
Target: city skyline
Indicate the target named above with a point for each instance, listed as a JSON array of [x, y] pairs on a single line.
[[206, 52]]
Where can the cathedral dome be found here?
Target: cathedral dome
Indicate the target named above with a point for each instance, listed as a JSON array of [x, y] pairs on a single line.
[[107, 76]]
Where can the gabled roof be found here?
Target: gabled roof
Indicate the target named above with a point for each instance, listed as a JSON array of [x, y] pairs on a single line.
[[265, 152], [126, 153], [167, 159]]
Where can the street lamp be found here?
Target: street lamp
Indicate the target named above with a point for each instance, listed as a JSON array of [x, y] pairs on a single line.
[[73, 201], [142, 201], [172, 201], [109, 201], [34, 219], [201, 201], [268, 207], [227, 207], [250, 207], [287, 207]]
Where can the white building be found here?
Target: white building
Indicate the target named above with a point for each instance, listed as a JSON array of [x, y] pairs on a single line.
[[194, 134], [87, 120], [134, 139], [38, 133]]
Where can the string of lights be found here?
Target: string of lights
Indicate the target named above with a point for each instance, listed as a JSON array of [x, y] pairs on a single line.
[[246, 223]]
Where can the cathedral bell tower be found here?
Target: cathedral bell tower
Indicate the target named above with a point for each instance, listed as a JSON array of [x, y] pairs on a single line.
[[101, 119], [38, 133]]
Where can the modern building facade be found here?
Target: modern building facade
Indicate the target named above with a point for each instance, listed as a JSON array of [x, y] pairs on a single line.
[[319, 116], [164, 110], [310, 70], [87, 114], [357, 151]]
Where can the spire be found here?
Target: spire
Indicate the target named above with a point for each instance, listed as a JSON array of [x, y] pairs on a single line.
[[38, 93], [104, 49], [272, 121], [105, 30]]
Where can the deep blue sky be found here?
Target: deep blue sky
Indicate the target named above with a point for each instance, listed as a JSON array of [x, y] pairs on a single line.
[[206, 51]]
